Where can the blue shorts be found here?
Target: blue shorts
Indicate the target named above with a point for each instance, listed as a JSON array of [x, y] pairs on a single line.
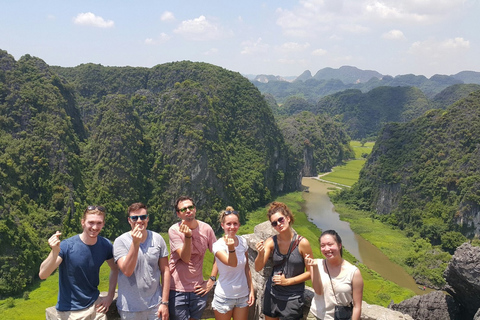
[[223, 305], [186, 305]]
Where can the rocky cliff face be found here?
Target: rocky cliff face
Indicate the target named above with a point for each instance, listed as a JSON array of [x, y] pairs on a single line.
[[463, 278], [463, 287]]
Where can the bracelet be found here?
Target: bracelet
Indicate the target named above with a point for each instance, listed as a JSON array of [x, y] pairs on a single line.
[[164, 303], [213, 278], [231, 251], [188, 237]]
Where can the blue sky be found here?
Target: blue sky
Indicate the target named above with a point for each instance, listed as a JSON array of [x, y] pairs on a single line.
[[252, 37]]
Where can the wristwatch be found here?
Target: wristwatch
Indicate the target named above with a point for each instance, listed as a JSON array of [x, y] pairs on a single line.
[[164, 302], [213, 278]]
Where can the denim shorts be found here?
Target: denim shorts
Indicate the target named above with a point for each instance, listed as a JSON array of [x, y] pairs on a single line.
[[223, 305], [186, 305], [150, 314]]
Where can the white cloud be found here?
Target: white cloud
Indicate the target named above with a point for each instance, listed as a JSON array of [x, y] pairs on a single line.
[[394, 35], [250, 47], [457, 43], [159, 40], [167, 16], [431, 56], [89, 19], [294, 47], [354, 28], [200, 29], [319, 52], [425, 11], [439, 49]]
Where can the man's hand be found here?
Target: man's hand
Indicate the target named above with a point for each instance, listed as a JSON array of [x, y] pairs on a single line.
[[137, 235], [103, 304], [185, 230], [54, 241], [204, 288], [162, 312]]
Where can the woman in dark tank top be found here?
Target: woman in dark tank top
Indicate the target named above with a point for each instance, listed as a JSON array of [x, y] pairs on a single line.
[[284, 290]]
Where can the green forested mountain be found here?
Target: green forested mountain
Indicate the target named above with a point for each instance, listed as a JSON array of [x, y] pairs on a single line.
[[316, 142], [452, 94], [424, 175], [70, 137], [40, 165], [364, 114]]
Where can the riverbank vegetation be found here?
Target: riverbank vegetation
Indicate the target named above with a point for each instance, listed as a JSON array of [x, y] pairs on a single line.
[[377, 290], [348, 173], [416, 255]]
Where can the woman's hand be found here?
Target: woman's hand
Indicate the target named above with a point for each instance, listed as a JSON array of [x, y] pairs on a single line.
[[279, 279], [260, 246], [310, 261]]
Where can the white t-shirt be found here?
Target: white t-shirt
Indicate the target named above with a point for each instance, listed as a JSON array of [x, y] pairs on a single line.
[[232, 282], [323, 306]]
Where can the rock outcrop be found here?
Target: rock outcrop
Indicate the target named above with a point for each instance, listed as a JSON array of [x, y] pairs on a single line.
[[463, 287], [435, 305], [463, 278]]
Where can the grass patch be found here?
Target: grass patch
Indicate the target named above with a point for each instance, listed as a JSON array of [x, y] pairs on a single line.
[[359, 150], [348, 173]]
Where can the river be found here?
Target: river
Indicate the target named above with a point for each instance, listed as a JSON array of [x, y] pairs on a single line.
[[321, 212]]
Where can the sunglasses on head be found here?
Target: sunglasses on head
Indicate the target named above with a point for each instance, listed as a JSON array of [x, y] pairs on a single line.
[[142, 217], [231, 212], [187, 208], [279, 220], [99, 208]]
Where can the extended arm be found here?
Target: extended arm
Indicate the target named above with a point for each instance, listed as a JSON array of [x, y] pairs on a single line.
[[248, 273], [357, 288], [105, 303], [264, 249], [128, 263], [162, 312], [315, 274], [228, 258], [53, 259], [185, 252]]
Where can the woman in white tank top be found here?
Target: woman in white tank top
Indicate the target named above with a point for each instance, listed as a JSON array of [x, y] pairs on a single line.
[[335, 280]]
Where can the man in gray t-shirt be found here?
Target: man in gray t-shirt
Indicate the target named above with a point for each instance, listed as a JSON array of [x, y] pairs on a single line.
[[142, 258]]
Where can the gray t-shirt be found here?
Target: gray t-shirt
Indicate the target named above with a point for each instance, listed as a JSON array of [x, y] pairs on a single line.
[[142, 290]]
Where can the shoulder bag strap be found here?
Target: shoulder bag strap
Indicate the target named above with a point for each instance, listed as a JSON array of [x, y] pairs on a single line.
[[331, 283]]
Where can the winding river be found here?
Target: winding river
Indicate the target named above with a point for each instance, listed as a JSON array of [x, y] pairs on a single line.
[[321, 212]]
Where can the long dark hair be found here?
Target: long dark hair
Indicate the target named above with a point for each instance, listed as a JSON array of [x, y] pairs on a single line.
[[336, 236]]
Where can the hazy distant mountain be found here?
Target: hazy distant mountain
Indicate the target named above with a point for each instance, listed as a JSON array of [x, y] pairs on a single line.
[[306, 75], [468, 77], [328, 81], [264, 78], [347, 74]]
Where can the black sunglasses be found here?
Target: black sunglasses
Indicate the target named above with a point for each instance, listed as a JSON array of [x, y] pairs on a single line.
[[187, 208], [99, 208], [142, 217], [230, 212], [279, 220]]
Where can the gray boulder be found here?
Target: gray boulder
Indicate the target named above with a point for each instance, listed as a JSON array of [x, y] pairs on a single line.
[[463, 278], [434, 305]]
